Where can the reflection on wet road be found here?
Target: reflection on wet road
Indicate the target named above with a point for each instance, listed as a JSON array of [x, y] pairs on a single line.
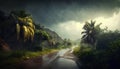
[[62, 62]]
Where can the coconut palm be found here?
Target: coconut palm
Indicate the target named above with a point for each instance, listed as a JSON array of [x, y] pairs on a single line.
[[90, 32]]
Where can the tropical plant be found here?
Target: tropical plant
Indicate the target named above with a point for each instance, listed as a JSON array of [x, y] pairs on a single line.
[[104, 39], [42, 34], [90, 32], [24, 25]]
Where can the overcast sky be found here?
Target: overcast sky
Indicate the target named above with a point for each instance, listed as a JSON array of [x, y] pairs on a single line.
[[67, 17]]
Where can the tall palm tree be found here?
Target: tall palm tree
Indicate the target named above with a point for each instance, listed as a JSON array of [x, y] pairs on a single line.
[[90, 32], [24, 25]]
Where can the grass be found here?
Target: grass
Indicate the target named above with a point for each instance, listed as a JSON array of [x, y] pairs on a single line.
[[39, 53], [76, 51], [13, 57]]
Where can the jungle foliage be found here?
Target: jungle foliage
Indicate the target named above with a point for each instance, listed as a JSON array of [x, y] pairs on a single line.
[[105, 56]]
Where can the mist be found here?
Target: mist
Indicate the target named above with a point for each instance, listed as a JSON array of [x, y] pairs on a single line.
[[72, 29]]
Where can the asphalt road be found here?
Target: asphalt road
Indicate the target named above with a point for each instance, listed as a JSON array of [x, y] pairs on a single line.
[[66, 60]]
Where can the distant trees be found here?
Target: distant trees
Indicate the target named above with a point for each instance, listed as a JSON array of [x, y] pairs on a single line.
[[41, 34], [90, 32], [67, 42]]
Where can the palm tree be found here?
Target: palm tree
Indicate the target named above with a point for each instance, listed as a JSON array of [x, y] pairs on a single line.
[[90, 32], [24, 25]]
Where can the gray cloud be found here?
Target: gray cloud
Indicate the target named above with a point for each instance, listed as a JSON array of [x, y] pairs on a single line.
[[48, 12], [55, 11], [52, 12]]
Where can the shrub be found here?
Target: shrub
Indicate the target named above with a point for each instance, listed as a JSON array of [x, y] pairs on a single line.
[[101, 59], [76, 51]]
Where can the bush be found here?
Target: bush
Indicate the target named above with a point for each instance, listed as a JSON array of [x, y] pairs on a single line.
[[101, 59], [105, 39], [76, 51]]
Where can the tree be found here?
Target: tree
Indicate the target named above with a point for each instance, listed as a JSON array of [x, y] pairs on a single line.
[[25, 27], [105, 38], [90, 32]]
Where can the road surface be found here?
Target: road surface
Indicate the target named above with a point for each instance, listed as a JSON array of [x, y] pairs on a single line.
[[66, 60]]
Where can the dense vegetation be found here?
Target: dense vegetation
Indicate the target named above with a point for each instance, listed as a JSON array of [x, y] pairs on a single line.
[[21, 38], [105, 56], [20, 32]]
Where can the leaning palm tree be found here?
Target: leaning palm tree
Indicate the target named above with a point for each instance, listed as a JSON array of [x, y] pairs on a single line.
[[90, 32]]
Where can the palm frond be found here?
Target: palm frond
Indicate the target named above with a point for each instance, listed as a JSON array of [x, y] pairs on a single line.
[[18, 30], [83, 32], [84, 36]]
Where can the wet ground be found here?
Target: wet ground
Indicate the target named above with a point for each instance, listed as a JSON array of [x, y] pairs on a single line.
[[63, 63], [65, 60]]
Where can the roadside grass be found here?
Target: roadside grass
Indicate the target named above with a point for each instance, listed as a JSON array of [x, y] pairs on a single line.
[[81, 49], [13, 57], [76, 51], [63, 47]]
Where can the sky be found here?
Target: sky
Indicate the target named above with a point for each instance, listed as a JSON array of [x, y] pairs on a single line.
[[67, 17]]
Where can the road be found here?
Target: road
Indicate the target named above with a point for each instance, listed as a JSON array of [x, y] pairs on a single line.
[[66, 60]]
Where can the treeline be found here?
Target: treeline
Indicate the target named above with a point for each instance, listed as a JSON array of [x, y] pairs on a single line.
[[99, 48]]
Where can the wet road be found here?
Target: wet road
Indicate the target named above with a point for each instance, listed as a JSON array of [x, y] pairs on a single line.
[[65, 60], [63, 63]]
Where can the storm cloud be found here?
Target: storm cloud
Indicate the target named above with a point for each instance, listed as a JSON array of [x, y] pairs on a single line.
[[59, 14], [56, 11], [48, 12]]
